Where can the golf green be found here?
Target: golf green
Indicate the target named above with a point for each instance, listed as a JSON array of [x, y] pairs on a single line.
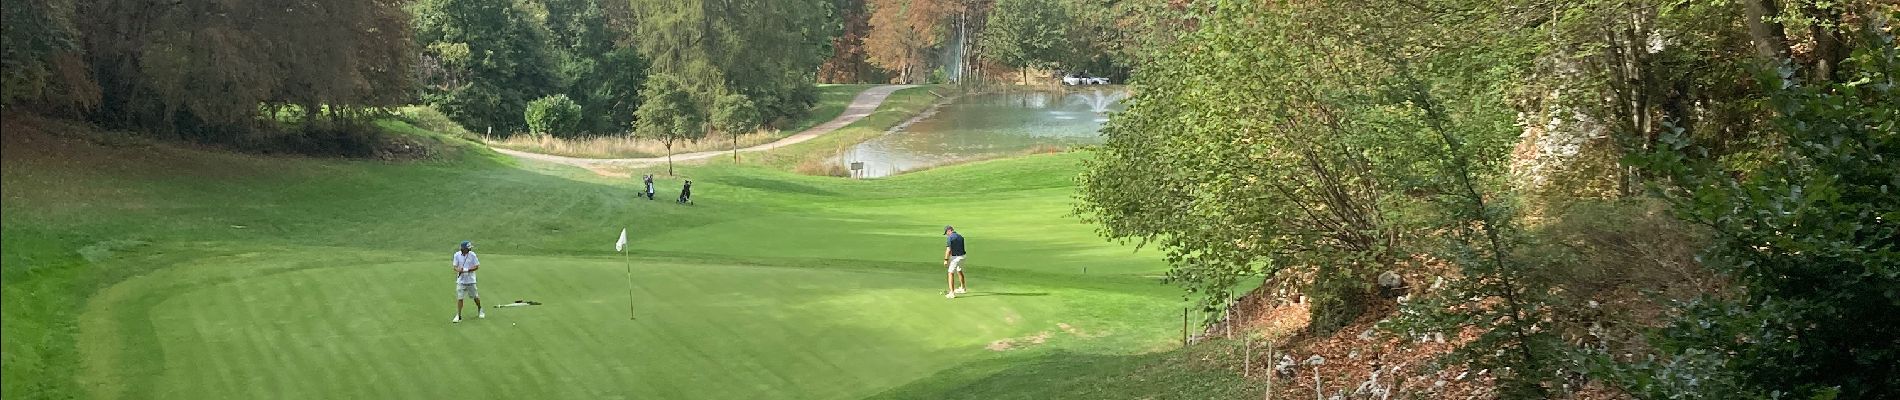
[[370, 328], [240, 277]]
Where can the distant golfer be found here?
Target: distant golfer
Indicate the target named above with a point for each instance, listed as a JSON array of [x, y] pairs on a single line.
[[686, 192], [649, 179], [465, 266], [953, 262]]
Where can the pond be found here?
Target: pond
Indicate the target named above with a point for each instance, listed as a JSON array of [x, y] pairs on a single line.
[[990, 125]]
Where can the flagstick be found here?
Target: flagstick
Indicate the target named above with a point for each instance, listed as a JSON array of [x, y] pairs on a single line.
[[623, 257]]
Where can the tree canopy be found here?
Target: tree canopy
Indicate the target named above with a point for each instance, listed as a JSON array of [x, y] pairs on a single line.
[[155, 65], [483, 60], [767, 50], [1315, 144], [734, 114], [1029, 33], [669, 113], [903, 32]]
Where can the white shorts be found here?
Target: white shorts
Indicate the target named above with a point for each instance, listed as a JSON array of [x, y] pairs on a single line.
[[956, 264], [466, 290]]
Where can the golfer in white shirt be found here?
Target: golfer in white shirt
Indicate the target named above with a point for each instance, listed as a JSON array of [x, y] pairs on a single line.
[[465, 266]]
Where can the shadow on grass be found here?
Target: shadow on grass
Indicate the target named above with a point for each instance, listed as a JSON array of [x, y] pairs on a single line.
[[774, 185], [1192, 373], [982, 294]]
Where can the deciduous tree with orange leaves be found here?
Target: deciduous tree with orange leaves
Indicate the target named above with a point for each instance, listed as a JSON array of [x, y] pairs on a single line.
[[902, 31]]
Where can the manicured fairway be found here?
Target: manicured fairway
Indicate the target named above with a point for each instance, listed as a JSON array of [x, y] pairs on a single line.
[[238, 277]]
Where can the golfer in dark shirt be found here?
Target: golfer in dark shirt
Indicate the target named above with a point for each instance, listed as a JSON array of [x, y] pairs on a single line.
[[953, 262]]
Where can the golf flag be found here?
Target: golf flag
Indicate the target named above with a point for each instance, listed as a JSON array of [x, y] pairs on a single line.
[[622, 244]]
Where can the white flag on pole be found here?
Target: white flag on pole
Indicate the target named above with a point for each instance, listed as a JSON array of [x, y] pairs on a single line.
[[622, 244]]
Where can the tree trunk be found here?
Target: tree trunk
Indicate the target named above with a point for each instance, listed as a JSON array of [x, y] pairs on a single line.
[[1771, 43], [669, 157], [1828, 47]]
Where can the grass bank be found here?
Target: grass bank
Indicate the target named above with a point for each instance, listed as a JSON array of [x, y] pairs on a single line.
[[832, 100], [901, 106]]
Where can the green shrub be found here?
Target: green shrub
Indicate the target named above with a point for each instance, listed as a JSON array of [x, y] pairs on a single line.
[[555, 115]]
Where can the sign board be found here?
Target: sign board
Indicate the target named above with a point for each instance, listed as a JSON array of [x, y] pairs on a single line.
[[857, 166]]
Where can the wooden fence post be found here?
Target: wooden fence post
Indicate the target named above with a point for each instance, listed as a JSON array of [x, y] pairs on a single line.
[[1270, 370], [1227, 328], [1246, 356]]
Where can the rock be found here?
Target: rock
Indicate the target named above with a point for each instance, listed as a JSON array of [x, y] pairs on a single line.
[[1370, 388], [1315, 360], [1390, 279], [1286, 367], [1391, 285], [1354, 355]]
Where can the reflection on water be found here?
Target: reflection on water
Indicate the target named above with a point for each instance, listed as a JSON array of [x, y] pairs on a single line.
[[986, 125]]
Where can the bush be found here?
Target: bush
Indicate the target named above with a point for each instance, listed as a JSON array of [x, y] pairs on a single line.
[[555, 115], [821, 166]]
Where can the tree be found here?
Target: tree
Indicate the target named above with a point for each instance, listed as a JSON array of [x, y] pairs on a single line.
[[555, 114], [1028, 34], [1261, 147], [902, 31], [42, 58], [1810, 241], [610, 85], [1499, 289], [508, 60], [1441, 79], [206, 69], [734, 114], [768, 50], [667, 113], [595, 61], [847, 63]]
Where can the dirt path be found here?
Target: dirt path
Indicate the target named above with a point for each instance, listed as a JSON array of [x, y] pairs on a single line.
[[860, 106]]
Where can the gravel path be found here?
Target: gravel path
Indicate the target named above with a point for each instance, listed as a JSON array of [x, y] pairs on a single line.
[[860, 106]]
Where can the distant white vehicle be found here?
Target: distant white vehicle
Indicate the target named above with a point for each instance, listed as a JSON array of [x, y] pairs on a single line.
[[1073, 80]]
